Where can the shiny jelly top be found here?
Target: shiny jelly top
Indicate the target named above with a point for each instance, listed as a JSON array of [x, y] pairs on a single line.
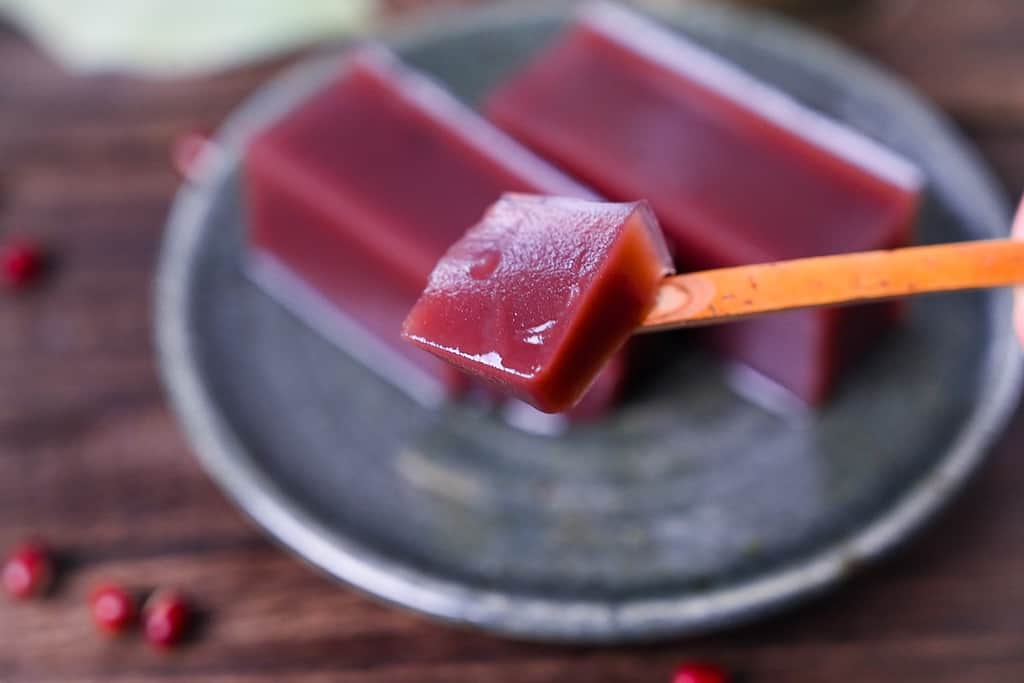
[[507, 295]]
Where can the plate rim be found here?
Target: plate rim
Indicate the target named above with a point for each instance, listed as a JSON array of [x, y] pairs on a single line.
[[222, 453]]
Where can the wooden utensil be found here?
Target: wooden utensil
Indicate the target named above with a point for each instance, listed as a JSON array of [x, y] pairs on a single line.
[[727, 294]]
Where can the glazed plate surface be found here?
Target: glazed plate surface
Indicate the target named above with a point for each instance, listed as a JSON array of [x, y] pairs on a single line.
[[689, 510]]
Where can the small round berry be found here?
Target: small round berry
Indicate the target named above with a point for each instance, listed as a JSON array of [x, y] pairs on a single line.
[[186, 150], [21, 263], [699, 672], [113, 608], [28, 570], [166, 618]]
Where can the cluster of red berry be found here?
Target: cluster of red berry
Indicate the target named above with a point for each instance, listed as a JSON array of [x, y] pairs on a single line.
[[29, 569], [166, 615]]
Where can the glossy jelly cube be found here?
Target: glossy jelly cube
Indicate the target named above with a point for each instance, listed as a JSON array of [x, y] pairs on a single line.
[[539, 295], [737, 172]]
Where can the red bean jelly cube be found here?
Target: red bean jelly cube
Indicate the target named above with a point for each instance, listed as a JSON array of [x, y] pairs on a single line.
[[737, 173], [539, 295], [355, 195]]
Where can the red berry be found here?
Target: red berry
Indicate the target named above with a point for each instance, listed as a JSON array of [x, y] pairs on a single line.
[[21, 263], [166, 618], [113, 608], [186, 151], [28, 570], [698, 672]]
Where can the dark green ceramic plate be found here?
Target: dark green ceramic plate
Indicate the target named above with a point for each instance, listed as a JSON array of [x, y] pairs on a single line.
[[689, 510]]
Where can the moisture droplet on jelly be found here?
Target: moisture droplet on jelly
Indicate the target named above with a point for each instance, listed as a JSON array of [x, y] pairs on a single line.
[[485, 264]]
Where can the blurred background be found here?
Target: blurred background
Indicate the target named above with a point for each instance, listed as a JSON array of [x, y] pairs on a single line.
[[96, 99]]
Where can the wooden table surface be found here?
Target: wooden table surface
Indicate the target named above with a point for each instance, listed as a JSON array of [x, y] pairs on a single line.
[[92, 459]]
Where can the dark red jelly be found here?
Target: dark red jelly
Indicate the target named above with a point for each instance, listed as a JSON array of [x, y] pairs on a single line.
[[355, 195], [541, 293]]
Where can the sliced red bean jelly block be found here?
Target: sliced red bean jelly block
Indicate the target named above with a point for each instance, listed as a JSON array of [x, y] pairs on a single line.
[[539, 295]]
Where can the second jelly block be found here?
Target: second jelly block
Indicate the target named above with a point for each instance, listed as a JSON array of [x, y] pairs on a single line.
[[737, 172]]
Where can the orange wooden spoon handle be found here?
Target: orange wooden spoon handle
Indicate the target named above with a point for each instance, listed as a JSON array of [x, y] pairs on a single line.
[[727, 294]]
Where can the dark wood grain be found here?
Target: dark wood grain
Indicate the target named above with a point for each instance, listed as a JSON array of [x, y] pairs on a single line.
[[91, 458]]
